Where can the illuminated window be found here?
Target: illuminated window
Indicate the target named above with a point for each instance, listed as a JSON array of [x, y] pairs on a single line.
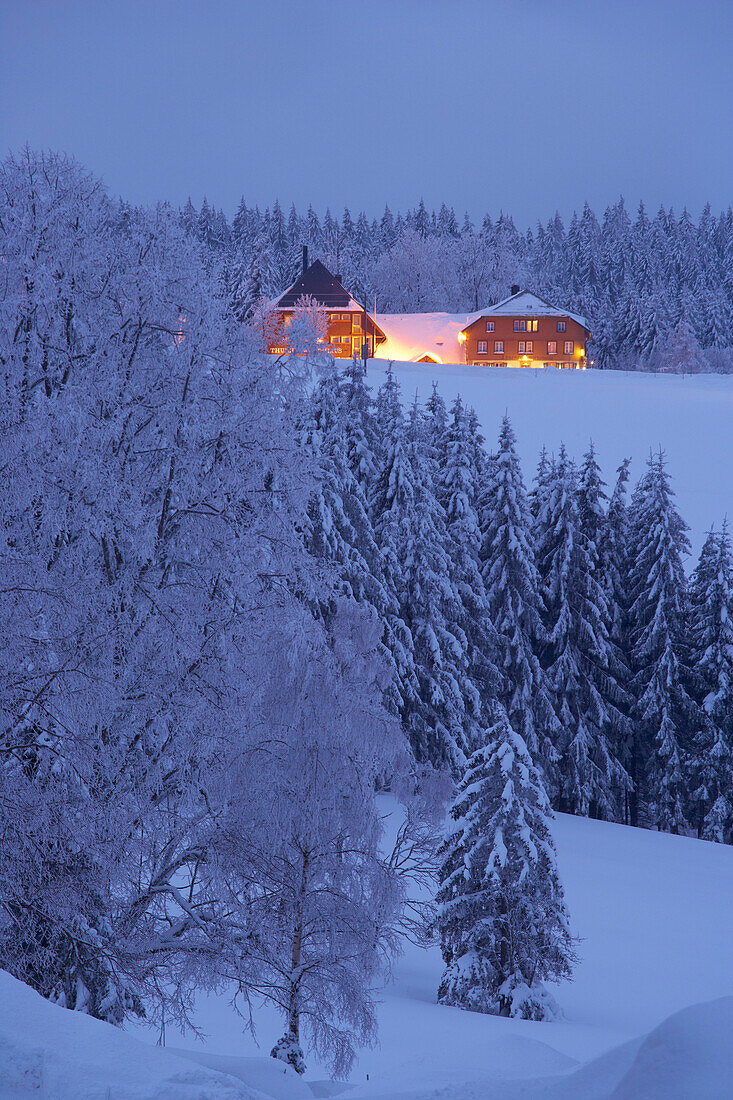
[[356, 322], [569, 349], [520, 326], [532, 326], [560, 326], [482, 347], [498, 347], [333, 317], [552, 347], [489, 326]]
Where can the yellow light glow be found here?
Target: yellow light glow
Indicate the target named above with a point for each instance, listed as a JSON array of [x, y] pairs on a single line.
[[462, 337]]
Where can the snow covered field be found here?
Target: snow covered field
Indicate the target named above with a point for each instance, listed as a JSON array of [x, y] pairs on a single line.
[[689, 416], [654, 915]]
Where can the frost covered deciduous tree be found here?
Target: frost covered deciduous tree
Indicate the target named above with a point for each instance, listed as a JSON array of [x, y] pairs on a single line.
[[679, 352], [323, 905], [157, 604], [502, 918]]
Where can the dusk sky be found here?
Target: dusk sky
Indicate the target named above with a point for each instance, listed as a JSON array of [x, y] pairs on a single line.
[[522, 105]]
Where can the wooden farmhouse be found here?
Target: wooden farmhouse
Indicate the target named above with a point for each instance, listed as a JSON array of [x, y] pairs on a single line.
[[525, 331], [345, 316], [521, 331]]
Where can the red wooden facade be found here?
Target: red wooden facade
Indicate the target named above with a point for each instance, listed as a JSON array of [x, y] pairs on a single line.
[[345, 315], [525, 331]]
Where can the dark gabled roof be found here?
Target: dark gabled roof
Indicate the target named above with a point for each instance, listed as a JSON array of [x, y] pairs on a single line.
[[317, 282]]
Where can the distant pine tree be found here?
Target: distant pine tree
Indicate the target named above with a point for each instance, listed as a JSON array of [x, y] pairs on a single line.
[[502, 918], [363, 446], [581, 663], [666, 718], [512, 586], [410, 526], [458, 489], [252, 280], [711, 598]]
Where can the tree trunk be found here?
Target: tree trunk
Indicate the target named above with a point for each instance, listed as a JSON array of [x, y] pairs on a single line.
[[297, 950]]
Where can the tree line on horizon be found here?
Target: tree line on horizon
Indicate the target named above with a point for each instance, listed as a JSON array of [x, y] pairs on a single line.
[[657, 290]]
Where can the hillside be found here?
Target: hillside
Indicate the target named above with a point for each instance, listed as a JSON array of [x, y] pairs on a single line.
[[653, 915], [652, 911], [625, 414]]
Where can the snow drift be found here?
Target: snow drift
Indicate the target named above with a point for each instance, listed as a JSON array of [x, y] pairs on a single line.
[[56, 1054]]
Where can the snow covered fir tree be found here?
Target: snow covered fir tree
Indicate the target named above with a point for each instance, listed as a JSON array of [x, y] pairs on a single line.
[[503, 925]]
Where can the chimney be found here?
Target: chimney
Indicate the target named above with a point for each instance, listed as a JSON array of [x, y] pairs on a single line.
[[305, 258], [514, 290]]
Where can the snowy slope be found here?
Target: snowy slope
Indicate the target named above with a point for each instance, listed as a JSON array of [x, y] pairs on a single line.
[[653, 912], [689, 416], [54, 1054]]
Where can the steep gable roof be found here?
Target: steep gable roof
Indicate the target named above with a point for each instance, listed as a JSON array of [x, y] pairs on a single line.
[[526, 303], [316, 282]]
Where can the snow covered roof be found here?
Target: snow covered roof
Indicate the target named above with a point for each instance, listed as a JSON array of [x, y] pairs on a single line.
[[412, 336], [529, 304]]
